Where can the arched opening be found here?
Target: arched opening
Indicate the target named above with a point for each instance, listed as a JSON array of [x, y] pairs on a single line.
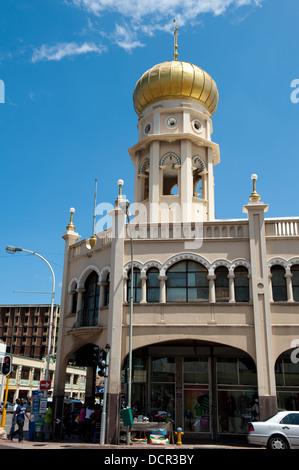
[[199, 171], [89, 314], [170, 163], [136, 285], [295, 281], [106, 290], [153, 285], [203, 387], [279, 288], [221, 284], [287, 380], [241, 283], [74, 300], [144, 178], [187, 282]]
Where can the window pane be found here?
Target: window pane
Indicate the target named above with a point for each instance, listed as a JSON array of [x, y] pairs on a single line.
[[178, 294], [196, 409], [153, 295], [152, 278], [227, 372], [195, 371], [200, 294], [291, 373], [279, 284], [247, 372], [162, 401], [193, 266], [181, 266], [163, 369], [176, 279]]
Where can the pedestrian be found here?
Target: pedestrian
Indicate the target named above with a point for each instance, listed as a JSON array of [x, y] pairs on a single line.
[[48, 422], [82, 422], [67, 420], [88, 413], [12, 429], [19, 416]]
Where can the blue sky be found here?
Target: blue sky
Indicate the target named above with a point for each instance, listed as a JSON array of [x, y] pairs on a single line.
[[70, 68]]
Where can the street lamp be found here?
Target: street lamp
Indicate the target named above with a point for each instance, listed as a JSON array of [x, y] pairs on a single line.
[[124, 205], [12, 250]]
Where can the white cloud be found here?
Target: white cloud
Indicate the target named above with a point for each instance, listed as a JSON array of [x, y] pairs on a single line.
[[124, 37], [134, 19], [64, 49], [165, 9]]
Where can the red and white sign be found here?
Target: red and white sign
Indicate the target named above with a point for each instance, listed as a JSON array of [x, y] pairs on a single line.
[[45, 384]]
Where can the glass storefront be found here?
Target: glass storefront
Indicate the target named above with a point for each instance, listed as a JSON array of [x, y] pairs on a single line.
[[197, 409], [287, 382], [207, 392]]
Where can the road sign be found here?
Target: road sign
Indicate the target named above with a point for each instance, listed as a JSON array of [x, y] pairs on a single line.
[[45, 384]]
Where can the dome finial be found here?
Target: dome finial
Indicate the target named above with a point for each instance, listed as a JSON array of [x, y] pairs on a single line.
[[175, 55]]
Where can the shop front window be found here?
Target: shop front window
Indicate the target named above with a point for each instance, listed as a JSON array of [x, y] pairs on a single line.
[[235, 410], [237, 394], [162, 402], [163, 388], [196, 370], [196, 409], [287, 382]]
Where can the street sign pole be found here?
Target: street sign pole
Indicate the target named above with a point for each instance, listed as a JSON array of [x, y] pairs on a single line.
[[2, 430]]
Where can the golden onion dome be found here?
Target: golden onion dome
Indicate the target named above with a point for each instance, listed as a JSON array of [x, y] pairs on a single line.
[[175, 80]]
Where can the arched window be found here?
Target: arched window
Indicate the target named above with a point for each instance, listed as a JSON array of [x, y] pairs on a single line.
[[187, 282], [136, 286], [144, 178], [107, 290], [221, 284], [91, 300], [198, 169], [295, 281], [74, 295], [170, 163], [279, 288], [153, 285], [241, 282]]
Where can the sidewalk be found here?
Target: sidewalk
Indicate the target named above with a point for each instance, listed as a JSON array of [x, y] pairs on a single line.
[[75, 444]]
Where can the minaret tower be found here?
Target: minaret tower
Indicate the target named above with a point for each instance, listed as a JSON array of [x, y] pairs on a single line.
[[174, 158]]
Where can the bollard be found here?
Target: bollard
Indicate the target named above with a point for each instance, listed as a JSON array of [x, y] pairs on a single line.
[[179, 433]]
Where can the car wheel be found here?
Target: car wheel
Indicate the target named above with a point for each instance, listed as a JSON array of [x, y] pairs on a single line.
[[277, 442]]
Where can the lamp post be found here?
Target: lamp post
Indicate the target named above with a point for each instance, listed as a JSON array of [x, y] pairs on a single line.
[[13, 249], [124, 205]]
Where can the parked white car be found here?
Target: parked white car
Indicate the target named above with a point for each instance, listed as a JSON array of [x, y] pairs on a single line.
[[9, 407], [280, 431]]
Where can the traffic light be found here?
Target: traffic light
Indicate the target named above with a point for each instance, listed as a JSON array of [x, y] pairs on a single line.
[[95, 355], [6, 365], [102, 363]]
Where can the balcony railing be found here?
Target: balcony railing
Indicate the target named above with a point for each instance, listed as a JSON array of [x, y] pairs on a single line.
[[87, 317]]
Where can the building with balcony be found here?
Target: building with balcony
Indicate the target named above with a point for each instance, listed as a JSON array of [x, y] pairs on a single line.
[[215, 302]]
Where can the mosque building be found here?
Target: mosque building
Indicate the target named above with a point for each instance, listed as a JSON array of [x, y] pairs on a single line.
[[207, 306]]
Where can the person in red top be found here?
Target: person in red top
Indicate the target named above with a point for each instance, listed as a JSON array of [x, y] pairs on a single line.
[[82, 421]]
